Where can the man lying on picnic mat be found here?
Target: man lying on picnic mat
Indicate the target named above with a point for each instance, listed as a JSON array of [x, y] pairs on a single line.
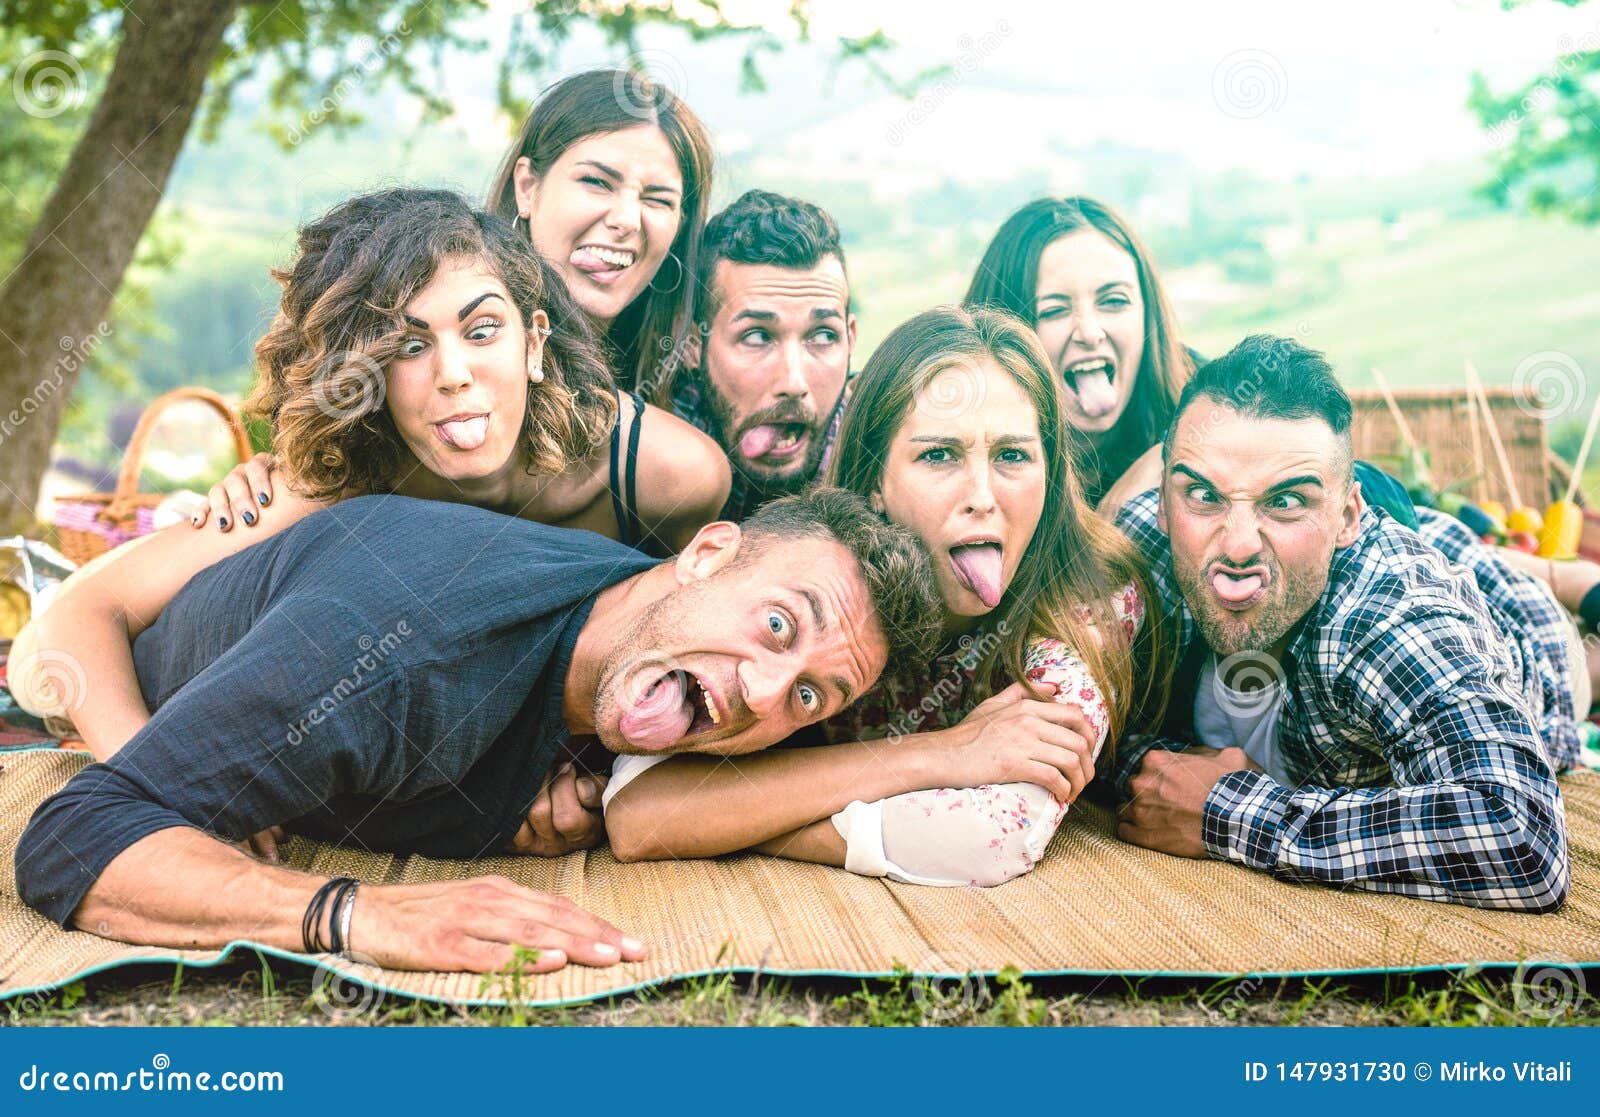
[[403, 675], [1356, 703]]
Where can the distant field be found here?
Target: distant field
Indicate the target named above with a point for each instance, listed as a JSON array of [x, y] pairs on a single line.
[[1494, 289]]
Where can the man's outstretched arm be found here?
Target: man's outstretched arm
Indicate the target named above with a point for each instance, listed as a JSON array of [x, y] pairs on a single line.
[[179, 887]]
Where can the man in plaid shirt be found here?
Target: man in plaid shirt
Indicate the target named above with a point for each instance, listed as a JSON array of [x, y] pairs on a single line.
[[1351, 706]]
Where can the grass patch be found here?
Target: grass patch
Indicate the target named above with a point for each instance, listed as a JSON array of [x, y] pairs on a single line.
[[274, 993]]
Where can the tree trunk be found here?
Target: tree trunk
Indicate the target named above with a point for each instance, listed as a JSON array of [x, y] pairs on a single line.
[[56, 305]]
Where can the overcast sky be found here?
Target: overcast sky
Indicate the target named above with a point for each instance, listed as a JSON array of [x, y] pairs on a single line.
[[1359, 87]]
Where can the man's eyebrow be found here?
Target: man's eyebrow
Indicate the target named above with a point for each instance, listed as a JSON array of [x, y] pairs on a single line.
[[825, 312], [847, 693], [816, 608], [461, 315], [1294, 482], [1194, 473], [757, 315]]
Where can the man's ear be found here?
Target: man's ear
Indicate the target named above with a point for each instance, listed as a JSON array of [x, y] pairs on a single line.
[[1350, 517], [525, 186], [850, 331], [712, 549]]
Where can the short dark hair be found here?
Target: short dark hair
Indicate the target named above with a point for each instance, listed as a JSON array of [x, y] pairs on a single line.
[[893, 562], [761, 227], [1269, 377]]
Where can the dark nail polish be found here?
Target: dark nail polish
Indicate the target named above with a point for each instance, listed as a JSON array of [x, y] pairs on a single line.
[[222, 522], [264, 499], [249, 518]]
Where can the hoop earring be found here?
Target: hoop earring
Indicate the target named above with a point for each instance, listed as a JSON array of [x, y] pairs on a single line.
[[520, 224], [677, 280]]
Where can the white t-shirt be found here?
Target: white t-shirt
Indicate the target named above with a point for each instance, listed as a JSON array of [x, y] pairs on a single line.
[[1243, 719]]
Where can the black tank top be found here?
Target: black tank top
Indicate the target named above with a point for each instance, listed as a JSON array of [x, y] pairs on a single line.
[[624, 500]]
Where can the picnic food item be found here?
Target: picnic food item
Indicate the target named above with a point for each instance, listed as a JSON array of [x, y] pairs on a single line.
[[1524, 541], [1494, 510], [1563, 521], [92, 524], [1524, 519], [15, 609], [1478, 521], [1563, 526], [30, 571]]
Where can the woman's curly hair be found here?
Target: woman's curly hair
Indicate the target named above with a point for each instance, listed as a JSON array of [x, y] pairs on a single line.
[[321, 383]]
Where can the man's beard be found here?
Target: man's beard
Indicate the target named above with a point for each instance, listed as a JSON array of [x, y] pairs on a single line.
[[765, 483], [1228, 633]]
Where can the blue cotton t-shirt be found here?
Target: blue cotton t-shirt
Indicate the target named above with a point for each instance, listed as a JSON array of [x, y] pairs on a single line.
[[387, 673]]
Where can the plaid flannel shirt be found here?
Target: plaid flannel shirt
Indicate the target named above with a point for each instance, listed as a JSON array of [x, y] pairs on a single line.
[[1414, 708]]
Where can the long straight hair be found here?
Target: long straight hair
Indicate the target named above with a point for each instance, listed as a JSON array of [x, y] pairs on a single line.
[[1075, 563], [648, 337], [1008, 279]]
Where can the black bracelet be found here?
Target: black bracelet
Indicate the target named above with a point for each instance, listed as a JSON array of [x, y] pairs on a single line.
[[335, 931], [311, 923]]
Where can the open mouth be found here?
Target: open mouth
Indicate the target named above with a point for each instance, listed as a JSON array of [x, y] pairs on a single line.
[[979, 566], [1238, 589], [1091, 385], [677, 705], [774, 442], [463, 432], [602, 263]]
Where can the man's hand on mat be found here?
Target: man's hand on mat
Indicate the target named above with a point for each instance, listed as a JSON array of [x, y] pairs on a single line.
[[565, 817], [1169, 797], [265, 844], [1013, 738], [475, 926], [239, 497]]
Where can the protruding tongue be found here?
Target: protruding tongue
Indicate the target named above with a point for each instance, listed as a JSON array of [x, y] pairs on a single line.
[[1095, 394], [1234, 590], [660, 717], [586, 261], [978, 568], [466, 434], [758, 440]]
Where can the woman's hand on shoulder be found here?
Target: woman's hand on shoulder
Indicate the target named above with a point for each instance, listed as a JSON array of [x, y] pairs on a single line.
[[240, 497]]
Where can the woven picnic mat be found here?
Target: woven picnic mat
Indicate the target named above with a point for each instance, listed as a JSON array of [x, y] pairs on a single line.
[[1094, 905]]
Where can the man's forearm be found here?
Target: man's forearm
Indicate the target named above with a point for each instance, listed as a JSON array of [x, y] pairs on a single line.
[[180, 887], [700, 806]]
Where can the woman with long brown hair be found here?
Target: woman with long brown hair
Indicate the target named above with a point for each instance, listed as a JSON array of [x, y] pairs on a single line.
[[1074, 270], [955, 430], [610, 178]]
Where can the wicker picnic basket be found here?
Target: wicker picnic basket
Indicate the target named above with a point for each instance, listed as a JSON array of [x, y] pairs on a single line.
[[94, 523], [1444, 424]]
